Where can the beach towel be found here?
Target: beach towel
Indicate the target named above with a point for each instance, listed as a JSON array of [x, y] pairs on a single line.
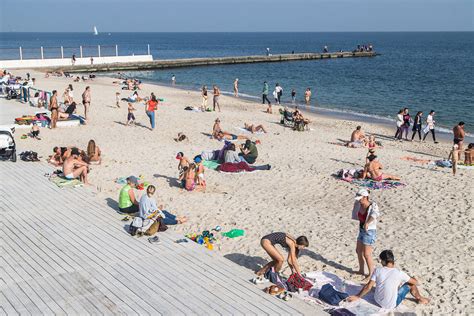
[[65, 183], [249, 132], [352, 176], [364, 306], [235, 167], [449, 164], [211, 164]]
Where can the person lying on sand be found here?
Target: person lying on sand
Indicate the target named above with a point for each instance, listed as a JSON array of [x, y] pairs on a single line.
[[219, 134], [74, 168], [288, 242], [357, 138], [372, 170], [254, 128], [391, 284]]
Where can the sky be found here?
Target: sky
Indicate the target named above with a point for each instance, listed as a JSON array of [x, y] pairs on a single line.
[[236, 15]]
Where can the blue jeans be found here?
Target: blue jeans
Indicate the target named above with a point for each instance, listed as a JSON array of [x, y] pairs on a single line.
[[151, 115], [170, 219], [24, 93], [402, 293]]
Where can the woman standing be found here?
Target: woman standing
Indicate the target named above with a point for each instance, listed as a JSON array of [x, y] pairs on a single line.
[[204, 98], [151, 106], [307, 96], [366, 212], [406, 123], [398, 133], [86, 100], [236, 87], [430, 126], [288, 242], [53, 107], [417, 125], [217, 93]]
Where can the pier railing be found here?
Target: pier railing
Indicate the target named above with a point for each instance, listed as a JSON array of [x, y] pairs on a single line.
[[87, 51]]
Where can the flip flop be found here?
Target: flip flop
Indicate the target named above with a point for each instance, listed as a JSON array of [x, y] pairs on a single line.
[[154, 240], [126, 218]]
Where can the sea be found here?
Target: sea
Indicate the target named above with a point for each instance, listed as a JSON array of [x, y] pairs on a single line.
[[422, 71]]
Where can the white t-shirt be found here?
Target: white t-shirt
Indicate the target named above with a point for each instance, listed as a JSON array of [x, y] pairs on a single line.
[[430, 121], [387, 281]]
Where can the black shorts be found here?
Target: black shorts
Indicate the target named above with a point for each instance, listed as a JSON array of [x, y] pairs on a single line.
[[130, 117], [457, 140], [129, 210]]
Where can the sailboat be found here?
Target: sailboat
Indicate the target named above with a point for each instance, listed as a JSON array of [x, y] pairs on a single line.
[[95, 31]]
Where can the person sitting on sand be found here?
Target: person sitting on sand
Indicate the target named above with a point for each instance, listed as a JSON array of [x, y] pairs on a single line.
[[190, 177], [74, 168], [59, 155], [391, 284], [372, 170], [366, 212], [357, 138], [288, 242], [371, 144], [249, 151], [254, 128], [469, 155], [219, 134], [93, 153], [127, 201], [66, 110], [35, 131], [149, 210], [231, 156]]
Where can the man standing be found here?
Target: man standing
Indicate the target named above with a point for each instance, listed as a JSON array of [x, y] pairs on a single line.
[[173, 80], [265, 93], [459, 134], [391, 284], [86, 101], [236, 87], [215, 99]]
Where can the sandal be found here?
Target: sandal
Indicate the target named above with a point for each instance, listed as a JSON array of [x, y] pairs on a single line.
[[260, 280]]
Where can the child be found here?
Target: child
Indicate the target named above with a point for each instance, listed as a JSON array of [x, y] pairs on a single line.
[[35, 131], [453, 155], [200, 172], [117, 99], [130, 116]]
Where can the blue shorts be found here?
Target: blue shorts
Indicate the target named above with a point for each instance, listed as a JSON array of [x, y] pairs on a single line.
[[367, 237], [402, 293]]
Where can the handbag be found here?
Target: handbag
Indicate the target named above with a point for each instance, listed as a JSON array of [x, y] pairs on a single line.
[[296, 281], [331, 296]]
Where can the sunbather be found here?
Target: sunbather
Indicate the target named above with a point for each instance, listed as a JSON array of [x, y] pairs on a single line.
[[93, 153], [127, 201], [357, 138], [219, 134], [286, 241], [254, 128], [372, 170], [469, 154], [74, 168]]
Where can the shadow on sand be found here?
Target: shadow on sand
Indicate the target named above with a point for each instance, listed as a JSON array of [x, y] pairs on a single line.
[[172, 182]]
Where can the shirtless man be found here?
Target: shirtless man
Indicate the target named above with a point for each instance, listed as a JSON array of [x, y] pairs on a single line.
[[357, 138], [254, 128], [74, 168], [219, 134], [372, 170], [459, 134], [236, 87]]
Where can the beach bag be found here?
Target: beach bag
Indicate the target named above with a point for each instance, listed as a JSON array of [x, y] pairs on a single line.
[[297, 281], [153, 229], [342, 312], [329, 295], [135, 225], [426, 129]]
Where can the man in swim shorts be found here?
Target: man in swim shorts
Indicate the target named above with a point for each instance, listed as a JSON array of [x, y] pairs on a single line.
[[459, 134], [74, 168], [357, 138]]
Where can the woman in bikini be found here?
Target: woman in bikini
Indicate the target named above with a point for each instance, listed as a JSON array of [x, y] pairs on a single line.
[[254, 128], [53, 107], [288, 242], [219, 134]]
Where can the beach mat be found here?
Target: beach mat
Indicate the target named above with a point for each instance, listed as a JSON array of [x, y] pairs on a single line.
[[364, 306], [211, 164], [65, 183], [376, 185]]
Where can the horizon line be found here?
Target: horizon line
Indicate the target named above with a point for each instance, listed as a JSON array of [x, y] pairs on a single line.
[[400, 31]]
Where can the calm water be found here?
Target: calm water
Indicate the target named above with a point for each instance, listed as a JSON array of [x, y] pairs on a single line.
[[421, 71]]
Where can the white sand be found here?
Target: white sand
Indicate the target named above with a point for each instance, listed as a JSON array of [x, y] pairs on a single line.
[[428, 223]]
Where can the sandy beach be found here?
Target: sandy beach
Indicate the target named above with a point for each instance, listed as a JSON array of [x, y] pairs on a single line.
[[427, 223]]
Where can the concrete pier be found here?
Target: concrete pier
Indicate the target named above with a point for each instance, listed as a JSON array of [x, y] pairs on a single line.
[[194, 62]]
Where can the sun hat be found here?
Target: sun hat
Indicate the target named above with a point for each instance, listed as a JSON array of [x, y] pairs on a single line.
[[361, 193]]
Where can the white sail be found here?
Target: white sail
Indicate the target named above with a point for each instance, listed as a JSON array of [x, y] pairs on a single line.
[[95, 31]]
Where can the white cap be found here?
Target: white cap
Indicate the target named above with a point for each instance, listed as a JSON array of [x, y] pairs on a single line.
[[361, 194]]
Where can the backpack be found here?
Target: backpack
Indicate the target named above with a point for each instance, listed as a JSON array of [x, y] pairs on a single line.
[[135, 225]]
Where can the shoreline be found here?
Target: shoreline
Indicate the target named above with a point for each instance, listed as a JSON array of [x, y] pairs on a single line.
[[443, 134]]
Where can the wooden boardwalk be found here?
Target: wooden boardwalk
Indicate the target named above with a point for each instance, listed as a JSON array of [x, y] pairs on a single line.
[[62, 251]]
